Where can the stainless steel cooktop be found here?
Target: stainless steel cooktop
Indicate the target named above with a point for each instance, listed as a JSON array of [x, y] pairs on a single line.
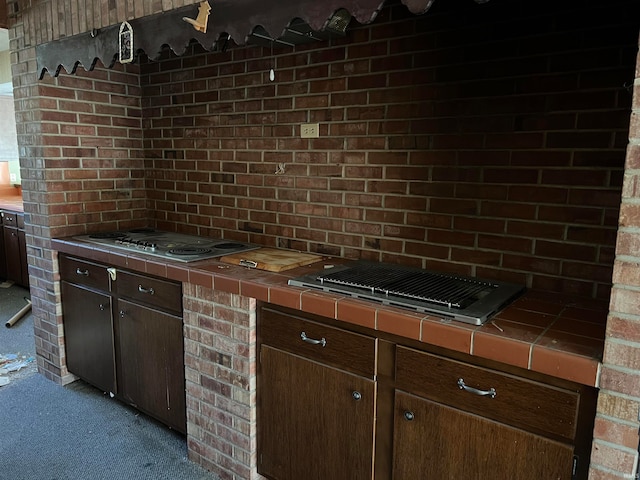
[[169, 245], [467, 299]]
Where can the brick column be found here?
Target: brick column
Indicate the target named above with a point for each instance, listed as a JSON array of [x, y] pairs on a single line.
[[220, 362], [614, 455]]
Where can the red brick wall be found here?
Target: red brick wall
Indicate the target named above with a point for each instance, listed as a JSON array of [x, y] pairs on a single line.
[[220, 359], [82, 169], [93, 157], [471, 139]]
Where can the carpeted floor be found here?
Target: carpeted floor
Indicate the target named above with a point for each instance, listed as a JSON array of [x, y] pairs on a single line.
[[18, 339], [50, 432]]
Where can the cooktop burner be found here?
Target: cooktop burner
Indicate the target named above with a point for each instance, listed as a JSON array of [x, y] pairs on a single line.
[[175, 246], [467, 299]]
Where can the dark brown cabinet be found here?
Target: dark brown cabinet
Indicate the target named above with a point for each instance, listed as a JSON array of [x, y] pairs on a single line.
[[316, 401], [333, 403], [89, 335], [15, 248], [150, 345], [88, 323], [124, 334], [434, 441], [472, 422], [3, 256]]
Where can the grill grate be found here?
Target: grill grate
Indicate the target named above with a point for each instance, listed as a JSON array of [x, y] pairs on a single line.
[[468, 299], [440, 289]]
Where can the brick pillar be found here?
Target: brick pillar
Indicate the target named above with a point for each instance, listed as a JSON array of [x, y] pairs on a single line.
[[614, 454], [220, 362]]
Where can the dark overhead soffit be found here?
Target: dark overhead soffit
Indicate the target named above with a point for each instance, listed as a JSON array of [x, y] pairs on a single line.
[[244, 21]]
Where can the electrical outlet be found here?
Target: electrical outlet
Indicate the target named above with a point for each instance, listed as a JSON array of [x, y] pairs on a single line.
[[13, 177], [309, 130]]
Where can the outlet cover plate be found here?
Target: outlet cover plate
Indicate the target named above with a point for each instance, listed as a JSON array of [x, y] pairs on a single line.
[[310, 130]]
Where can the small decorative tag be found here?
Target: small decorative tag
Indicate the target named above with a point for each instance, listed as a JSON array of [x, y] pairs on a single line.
[[125, 43]]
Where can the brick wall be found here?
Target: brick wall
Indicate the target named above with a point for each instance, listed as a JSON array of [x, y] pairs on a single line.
[[220, 357], [82, 166], [467, 141], [40, 139], [617, 426]]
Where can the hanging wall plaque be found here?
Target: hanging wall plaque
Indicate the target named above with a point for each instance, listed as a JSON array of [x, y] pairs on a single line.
[[125, 43]]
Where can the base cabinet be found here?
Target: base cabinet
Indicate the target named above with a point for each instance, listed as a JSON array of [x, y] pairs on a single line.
[[405, 413], [316, 406], [150, 362], [433, 441], [124, 334], [88, 331], [15, 248], [3, 254], [320, 423]]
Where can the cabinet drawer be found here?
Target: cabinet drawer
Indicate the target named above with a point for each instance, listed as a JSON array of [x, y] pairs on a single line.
[[13, 219], [154, 292], [333, 346], [82, 272], [519, 402]]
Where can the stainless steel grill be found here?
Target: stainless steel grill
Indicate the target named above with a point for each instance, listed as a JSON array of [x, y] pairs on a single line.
[[467, 299]]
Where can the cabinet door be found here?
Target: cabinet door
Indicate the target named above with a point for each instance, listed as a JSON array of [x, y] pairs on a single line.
[[22, 248], [151, 362], [436, 442], [12, 249], [3, 256], [316, 422], [88, 332]]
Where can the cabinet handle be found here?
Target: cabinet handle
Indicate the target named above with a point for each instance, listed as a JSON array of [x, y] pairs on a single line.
[[356, 395], [102, 306], [150, 291], [82, 272], [122, 313], [313, 341], [483, 393], [409, 416]]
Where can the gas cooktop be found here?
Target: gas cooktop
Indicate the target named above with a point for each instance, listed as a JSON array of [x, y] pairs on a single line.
[[467, 299], [169, 245]]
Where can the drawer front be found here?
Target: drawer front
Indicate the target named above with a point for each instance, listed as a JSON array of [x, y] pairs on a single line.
[[10, 219], [82, 272], [333, 346], [519, 402], [161, 294]]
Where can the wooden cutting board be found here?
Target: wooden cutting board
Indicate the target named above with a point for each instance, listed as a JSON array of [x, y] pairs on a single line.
[[272, 259]]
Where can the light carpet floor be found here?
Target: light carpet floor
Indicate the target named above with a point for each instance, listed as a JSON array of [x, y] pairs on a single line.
[[50, 432]]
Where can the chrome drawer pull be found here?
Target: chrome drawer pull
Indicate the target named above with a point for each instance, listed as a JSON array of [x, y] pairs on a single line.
[[150, 291], [409, 416], [483, 393], [356, 395], [82, 272], [312, 341]]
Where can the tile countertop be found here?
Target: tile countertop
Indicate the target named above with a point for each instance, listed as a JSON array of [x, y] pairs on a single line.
[[544, 332]]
